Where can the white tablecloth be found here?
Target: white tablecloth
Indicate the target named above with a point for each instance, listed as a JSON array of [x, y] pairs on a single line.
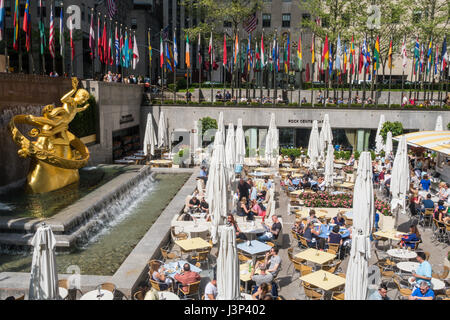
[[167, 295], [408, 266], [402, 254], [92, 295]]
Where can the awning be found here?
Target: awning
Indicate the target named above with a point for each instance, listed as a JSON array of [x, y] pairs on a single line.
[[438, 141]]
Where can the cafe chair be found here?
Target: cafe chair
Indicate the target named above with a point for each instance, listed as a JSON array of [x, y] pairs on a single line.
[[311, 293], [108, 286], [270, 244], [22, 297], [427, 216], [155, 285], [337, 295], [386, 271], [335, 247], [192, 290], [201, 257], [384, 261], [178, 236], [402, 290], [443, 275], [341, 274], [439, 231], [333, 267], [139, 295], [303, 243], [243, 258], [168, 255]]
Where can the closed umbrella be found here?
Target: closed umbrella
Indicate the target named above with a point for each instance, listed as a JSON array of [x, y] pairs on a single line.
[[230, 150], [228, 276], [221, 126], [379, 145], [271, 150], [388, 147], [314, 146], [400, 180], [325, 136], [216, 186], [163, 140], [44, 278], [356, 280], [240, 143], [149, 137], [329, 166], [439, 126]]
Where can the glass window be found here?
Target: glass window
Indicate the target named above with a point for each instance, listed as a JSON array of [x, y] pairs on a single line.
[[227, 24], [266, 20], [133, 23], [286, 20]]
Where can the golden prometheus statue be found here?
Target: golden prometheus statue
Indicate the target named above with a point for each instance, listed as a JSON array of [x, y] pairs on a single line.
[[56, 154]]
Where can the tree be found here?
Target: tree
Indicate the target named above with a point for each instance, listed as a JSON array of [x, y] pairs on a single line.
[[430, 19], [396, 128], [208, 123]]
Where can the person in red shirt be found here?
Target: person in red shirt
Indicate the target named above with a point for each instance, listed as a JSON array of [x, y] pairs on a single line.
[[187, 277]]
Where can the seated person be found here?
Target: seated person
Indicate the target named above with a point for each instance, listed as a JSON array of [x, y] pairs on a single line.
[[444, 191], [273, 262], [351, 161], [321, 183], [423, 292], [242, 209], [312, 216], [425, 183], [256, 210], [339, 219], [203, 175], [423, 272], [308, 235], [314, 184], [414, 203], [267, 183], [204, 207], [211, 290], [261, 196], [321, 233], [263, 276], [297, 227], [158, 274], [408, 240], [262, 290], [194, 204], [272, 232], [231, 221], [380, 294], [427, 203], [440, 212], [187, 277], [334, 236]]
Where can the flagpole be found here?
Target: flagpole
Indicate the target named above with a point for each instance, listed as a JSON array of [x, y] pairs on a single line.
[[31, 59], [275, 75], [403, 71], [54, 41], [210, 68], [5, 39], [175, 69], [365, 71], [434, 75], [62, 44], [351, 69], [20, 43], [300, 72]]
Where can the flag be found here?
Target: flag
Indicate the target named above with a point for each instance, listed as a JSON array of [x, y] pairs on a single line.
[[42, 27], [338, 54], [71, 40], [236, 50], [210, 49], [444, 56], [16, 26], [364, 53], [274, 53], [224, 60], [421, 58], [125, 51], [288, 55], [325, 54], [92, 36], [299, 54], [416, 55], [330, 63], [376, 55], [344, 67], [117, 46], [436, 60], [149, 49], [121, 48], [99, 41], [199, 52], [313, 53], [2, 18], [111, 4], [429, 55], [51, 41], [263, 62], [250, 23], [404, 54], [175, 50], [352, 57], [161, 52], [361, 60], [307, 76], [169, 57], [135, 53], [27, 25], [248, 53], [130, 51], [111, 45], [188, 54], [257, 57], [61, 32], [390, 55], [105, 43]]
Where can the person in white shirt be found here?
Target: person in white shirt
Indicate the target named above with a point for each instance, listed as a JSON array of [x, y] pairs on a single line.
[[211, 290], [404, 100]]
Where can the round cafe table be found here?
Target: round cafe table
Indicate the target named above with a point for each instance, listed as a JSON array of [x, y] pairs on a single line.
[[195, 230], [408, 266], [246, 296], [167, 295], [93, 295], [436, 284], [402, 254]]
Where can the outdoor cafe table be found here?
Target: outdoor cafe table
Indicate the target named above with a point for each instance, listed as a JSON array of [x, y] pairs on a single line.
[[315, 256], [193, 244], [245, 275], [423, 194], [260, 174], [251, 228], [402, 254], [93, 295], [408, 266], [167, 295], [349, 214], [256, 247], [342, 230], [161, 163], [389, 234], [196, 230], [345, 185], [176, 267], [323, 280], [436, 284]]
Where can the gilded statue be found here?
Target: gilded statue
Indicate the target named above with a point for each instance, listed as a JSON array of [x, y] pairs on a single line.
[[56, 154]]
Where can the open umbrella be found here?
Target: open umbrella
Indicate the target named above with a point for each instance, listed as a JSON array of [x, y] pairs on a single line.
[[314, 146], [162, 131], [228, 276], [388, 147], [400, 180], [216, 186], [44, 278], [240, 143], [439, 126], [363, 217], [379, 145], [329, 166], [149, 137], [230, 150]]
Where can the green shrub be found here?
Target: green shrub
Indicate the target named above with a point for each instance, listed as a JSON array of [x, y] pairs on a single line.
[[181, 84], [396, 128], [357, 154], [171, 86], [208, 123], [296, 152]]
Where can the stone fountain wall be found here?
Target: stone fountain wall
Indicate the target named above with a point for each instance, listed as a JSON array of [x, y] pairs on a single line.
[[23, 94]]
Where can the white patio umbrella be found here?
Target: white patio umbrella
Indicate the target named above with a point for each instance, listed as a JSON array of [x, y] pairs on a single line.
[[400, 180], [221, 126], [162, 131], [379, 145], [228, 273], [271, 149], [44, 278], [356, 281], [240, 143], [216, 186], [230, 150], [325, 136], [314, 146], [150, 141], [388, 147], [439, 126], [329, 166]]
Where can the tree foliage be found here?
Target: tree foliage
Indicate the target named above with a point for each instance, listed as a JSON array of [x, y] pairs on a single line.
[[208, 123], [396, 128]]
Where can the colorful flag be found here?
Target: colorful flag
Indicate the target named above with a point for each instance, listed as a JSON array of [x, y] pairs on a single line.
[[307, 73], [61, 32], [175, 50], [111, 8], [117, 46], [149, 49], [99, 41], [436, 60], [257, 57], [330, 63], [27, 25], [274, 53], [263, 62], [361, 59], [416, 55], [199, 52], [429, 55], [390, 55], [135, 53], [110, 47], [338, 54], [130, 50], [71, 40], [299, 54], [105, 43], [121, 45], [404, 54], [248, 54], [352, 57], [161, 52], [313, 53], [51, 41], [188, 54], [210, 49], [325, 54], [168, 56], [236, 50], [344, 67], [224, 61], [421, 58], [376, 55], [287, 62], [250, 23], [91, 36], [125, 51], [42, 27], [2, 18], [444, 56], [16, 26]]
